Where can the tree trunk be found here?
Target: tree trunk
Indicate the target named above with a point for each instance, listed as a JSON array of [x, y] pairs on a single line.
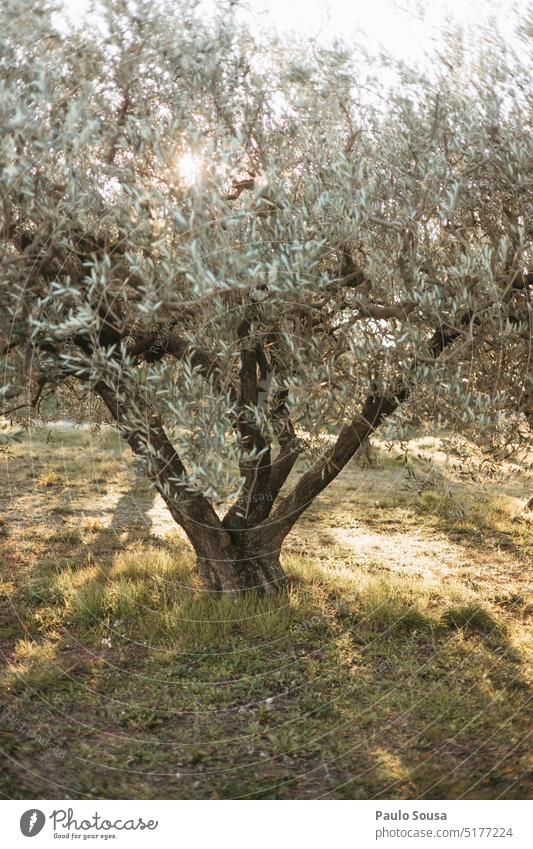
[[250, 563]]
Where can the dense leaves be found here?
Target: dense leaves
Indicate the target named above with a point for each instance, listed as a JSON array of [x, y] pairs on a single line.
[[233, 243]]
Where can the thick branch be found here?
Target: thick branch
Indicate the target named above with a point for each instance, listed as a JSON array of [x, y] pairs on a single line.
[[290, 448], [256, 469], [352, 436], [154, 344], [190, 509]]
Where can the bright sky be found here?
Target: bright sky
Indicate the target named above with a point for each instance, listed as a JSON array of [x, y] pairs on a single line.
[[406, 28]]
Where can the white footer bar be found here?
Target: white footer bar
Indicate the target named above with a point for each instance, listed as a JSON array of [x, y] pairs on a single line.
[[264, 824]]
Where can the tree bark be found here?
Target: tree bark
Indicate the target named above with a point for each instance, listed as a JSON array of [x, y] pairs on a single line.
[[251, 564]]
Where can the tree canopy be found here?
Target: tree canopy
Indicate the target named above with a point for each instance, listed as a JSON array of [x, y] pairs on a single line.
[[249, 253]]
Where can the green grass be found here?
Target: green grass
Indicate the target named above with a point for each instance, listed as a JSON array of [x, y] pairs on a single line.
[[474, 617], [387, 683], [357, 682]]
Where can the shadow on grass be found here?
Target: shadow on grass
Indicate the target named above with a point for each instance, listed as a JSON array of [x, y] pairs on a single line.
[[345, 685]]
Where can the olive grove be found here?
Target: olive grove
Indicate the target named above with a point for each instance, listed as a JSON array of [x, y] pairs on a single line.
[[250, 255]]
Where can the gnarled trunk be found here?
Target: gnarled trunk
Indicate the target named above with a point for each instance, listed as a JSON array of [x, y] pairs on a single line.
[[249, 563]]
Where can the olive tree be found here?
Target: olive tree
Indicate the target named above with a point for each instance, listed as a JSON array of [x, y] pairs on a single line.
[[249, 255]]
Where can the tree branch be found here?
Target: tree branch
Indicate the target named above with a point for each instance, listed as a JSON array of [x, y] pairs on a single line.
[[352, 436], [41, 383], [189, 508], [256, 469]]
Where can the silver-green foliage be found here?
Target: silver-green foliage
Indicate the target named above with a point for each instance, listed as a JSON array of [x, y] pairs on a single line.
[[347, 218]]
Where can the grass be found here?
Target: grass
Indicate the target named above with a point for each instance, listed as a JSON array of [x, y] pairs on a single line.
[[474, 617], [369, 678]]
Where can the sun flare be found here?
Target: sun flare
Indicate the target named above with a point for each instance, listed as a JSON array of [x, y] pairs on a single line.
[[189, 168]]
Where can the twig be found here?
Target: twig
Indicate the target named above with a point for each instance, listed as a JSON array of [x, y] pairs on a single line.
[[34, 401]]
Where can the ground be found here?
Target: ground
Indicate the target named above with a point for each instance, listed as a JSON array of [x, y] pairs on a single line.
[[396, 665]]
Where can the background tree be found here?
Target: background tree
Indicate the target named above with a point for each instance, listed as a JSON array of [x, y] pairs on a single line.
[[247, 254]]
